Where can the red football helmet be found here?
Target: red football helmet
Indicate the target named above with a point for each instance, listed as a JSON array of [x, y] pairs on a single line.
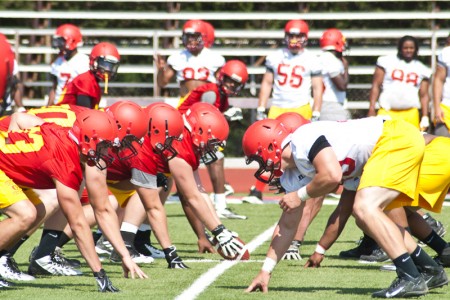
[[104, 61], [67, 37], [209, 129], [232, 77], [296, 34], [132, 125], [262, 143], [195, 35], [165, 125], [95, 132], [210, 36], [292, 121], [332, 39]]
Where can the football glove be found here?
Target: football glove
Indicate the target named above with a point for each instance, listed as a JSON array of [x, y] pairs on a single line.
[[233, 114], [230, 246], [315, 116], [173, 259], [293, 253], [261, 113], [424, 123], [103, 282], [161, 181]]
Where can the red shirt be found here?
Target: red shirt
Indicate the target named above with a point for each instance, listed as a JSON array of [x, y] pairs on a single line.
[[196, 95], [33, 157], [84, 84]]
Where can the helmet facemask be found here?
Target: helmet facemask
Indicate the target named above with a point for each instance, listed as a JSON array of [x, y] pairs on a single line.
[[230, 86], [101, 153], [296, 41], [127, 149], [208, 150], [165, 149], [193, 41]]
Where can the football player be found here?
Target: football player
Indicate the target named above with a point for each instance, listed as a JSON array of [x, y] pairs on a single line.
[[322, 155], [205, 129], [69, 63], [400, 85], [441, 92], [84, 90], [231, 80], [51, 159], [292, 75]]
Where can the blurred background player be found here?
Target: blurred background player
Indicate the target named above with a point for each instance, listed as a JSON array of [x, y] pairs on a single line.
[[69, 63], [84, 90], [400, 85], [441, 92], [10, 85], [293, 73], [334, 75], [231, 80]]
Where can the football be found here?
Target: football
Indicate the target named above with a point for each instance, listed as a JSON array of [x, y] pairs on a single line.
[[245, 255]]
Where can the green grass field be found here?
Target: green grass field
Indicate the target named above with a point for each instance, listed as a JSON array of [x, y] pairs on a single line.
[[336, 279]]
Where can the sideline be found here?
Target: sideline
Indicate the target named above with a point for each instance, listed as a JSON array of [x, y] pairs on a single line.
[[212, 274]]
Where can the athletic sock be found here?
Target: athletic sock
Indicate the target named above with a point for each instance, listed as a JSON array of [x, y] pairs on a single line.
[[405, 264], [64, 239], [435, 242], [422, 259], [48, 243], [16, 247], [128, 232]]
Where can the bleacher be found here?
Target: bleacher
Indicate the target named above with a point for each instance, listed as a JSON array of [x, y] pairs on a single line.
[[145, 43]]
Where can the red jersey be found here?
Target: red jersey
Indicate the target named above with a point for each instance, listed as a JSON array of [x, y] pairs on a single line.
[[63, 115], [33, 157], [84, 84], [120, 169], [196, 95]]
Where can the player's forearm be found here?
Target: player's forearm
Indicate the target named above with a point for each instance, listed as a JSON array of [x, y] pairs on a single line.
[[196, 224], [158, 221], [284, 234]]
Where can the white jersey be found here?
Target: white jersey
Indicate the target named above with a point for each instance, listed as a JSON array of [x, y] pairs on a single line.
[[331, 67], [352, 142], [292, 77], [444, 61], [200, 67], [66, 70], [401, 82]]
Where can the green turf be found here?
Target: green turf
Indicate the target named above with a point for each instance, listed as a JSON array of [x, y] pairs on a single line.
[[337, 279]]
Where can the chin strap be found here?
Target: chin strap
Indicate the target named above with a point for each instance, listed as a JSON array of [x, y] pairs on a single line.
[[106, 83]]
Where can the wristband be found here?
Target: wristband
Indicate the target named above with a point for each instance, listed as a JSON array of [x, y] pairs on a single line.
[[316, 113], [303, 194], [261, 109], [269, 265], [320, 249]]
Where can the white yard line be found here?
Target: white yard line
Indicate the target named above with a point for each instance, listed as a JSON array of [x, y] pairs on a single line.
[[212, 274]]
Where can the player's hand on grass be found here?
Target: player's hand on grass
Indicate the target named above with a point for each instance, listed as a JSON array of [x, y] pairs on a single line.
[[314, 260], [260, 283], [205, 246], [131, 268]]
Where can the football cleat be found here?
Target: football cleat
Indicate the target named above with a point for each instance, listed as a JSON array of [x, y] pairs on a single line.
[[437, 226], [10, 270], [226, 213], [403, 287], [444, 257], [59, 257], [47, 266], [5, 283], [293, 253], [435, 277], [135, 256], [377, 255], [103, 246], [254, 197], [365, 247], [148, 249]]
